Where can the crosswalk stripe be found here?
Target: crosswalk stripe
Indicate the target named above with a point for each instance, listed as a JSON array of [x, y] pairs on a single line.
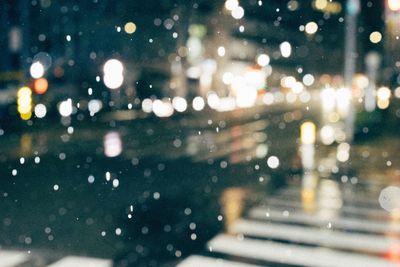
[[345, 223], [350, 209], [319, 237], [292, 254], [201, 261], [12, 258], [361, 199], [71, 261]]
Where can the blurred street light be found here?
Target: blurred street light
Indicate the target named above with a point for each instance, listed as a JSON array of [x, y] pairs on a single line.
[[24, 102], [37, 70], [65, 108], [113, 74], [286, 49]]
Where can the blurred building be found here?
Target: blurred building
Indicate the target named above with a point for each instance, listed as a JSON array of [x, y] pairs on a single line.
[[392, 41], [177, 47]]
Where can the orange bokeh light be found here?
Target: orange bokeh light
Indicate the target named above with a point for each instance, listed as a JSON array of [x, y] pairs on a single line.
[[394, 253], [40, 86]]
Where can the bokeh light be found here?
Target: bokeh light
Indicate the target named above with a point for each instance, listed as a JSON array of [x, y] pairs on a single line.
[[394, 5], [113, 74], [112, 144], [263, 60], [179, 103], [65, 108], [130, 27], [311, 27], [238, 12], [198, 103], [286, 49], [40, 86], [375, 37], [37, 70], [231, 4], [40, 111]]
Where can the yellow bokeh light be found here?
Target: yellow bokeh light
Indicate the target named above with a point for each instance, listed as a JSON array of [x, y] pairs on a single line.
[[130, 27], [321, 4], [26, 116], [24, 109], [24, 101], [375, 37], [24, 91], [307, 133], [383, 104]]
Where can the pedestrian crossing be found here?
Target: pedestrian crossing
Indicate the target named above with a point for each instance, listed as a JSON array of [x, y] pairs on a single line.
[[12, 258], [25, 259], [282, 232], [81, 262]]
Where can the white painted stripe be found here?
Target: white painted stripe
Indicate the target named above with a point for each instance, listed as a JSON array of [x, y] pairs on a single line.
[[12, 258], [293, 254], [345, 223], [351, 209], [81, 262], [201, 261], [354, 197], [317, 236]]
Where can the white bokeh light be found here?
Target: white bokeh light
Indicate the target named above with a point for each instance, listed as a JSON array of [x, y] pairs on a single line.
[[37, 70], [179, 104], [263, 60], [311, 27], [273, 162], [147, 105], [65, 108], [40, 111], [221, 51], [198, 103], [113, 66], [231, 4], [163, 109], [112, 144], [308, 79], [286, 49], [213, 100], [113, 74], [95, 106], [238, 12]]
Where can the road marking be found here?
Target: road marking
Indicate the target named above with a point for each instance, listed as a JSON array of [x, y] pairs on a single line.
[[317, 236], [345, 223], [292, 254], [356, 197], [280, 202], [201, 261], [12, 258], [81, 262]]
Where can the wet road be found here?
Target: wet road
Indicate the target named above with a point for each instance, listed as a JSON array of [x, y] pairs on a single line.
[[159, 199]]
